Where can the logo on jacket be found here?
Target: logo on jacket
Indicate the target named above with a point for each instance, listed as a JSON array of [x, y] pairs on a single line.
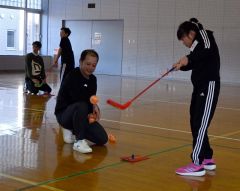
[[36, 68], [202, 94], [85, 85]]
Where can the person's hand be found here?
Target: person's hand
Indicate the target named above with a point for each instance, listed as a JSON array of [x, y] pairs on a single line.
[[96, 111], [182, 62], [55, 63]]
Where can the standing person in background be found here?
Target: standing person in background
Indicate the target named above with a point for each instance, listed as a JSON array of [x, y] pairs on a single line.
[[35, 77], [204, 61], [66, 53], [73, 105]]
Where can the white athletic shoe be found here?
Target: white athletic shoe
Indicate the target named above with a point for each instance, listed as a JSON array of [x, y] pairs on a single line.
[[80, 157], [68, 137], [82, 146], [90, 143]]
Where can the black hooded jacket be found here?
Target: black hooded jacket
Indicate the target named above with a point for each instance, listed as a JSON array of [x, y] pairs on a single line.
[[204, 59]]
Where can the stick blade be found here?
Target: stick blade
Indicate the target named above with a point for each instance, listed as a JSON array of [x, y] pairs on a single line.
[[118, 105], [115, 104]]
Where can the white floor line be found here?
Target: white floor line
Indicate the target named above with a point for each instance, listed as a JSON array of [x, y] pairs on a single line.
[[174, 130], [169, 102]]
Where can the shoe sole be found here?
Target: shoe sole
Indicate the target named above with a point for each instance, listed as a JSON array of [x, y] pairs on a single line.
[[199, 173], [209, 167], [84, 152]]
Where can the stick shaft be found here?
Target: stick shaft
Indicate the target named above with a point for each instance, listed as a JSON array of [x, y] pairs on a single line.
[[128, 103], [150, 85]]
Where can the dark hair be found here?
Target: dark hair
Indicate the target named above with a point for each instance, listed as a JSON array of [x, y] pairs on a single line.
[[66, 30], [88, 52], [187, 26], [37, 44]]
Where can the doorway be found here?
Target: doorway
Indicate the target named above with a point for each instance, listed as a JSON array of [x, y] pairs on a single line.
[[106, 37]]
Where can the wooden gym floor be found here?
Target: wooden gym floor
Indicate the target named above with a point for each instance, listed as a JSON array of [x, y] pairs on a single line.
[[34, 157]]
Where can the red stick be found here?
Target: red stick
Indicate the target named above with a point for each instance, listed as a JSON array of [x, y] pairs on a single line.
[[118, 105], [128, 103]]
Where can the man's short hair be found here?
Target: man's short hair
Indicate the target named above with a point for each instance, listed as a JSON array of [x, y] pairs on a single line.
[[66, 30], [37, 44]]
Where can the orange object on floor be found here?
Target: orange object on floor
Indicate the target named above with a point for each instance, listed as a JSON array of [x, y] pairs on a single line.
[[111, 138], [134, 158]]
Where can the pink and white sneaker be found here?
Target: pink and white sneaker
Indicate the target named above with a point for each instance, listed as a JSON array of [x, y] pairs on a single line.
[[191, 170], [209, 164]]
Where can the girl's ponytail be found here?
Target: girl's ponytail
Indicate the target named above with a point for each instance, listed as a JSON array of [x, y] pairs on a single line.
[[196, 22]]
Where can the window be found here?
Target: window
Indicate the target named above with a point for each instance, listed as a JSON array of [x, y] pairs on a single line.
[[34, 4], [10, 39], [20, 21], [12, 27], [13, 3], [33, 29], [31, 4]]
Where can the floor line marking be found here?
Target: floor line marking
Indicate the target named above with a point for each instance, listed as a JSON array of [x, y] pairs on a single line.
[[29, 182], [174, 130], [43, 184], [172, 102], [97, 169]]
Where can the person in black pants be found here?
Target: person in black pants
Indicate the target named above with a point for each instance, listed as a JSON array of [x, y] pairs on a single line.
[[73, 105], [35, 77], [204, 61], [66, 53]]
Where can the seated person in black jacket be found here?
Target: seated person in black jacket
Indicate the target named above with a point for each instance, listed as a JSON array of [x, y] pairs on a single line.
[[35, 78], [73, 105]]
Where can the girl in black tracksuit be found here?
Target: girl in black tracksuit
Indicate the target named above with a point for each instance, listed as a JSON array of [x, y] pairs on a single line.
[[204, 61]]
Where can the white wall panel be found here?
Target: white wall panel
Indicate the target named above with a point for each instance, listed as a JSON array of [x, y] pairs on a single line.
[[165, 35], [74, 9], [129, 12], [231, 42], [56, 15], [230, 55], [150, 44], [129, 63], [147, 35], [211, 13], [91, 13], [231, 14], [110, 9]]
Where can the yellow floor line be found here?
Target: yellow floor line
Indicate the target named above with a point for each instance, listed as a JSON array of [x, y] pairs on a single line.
[[29, 182]]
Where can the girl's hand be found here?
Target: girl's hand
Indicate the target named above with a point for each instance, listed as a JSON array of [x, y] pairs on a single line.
[[182, 62]]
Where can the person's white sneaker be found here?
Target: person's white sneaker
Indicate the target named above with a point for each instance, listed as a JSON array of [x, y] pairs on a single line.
[[90, 143], [80, 157], [68, 137], [82, 146]]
